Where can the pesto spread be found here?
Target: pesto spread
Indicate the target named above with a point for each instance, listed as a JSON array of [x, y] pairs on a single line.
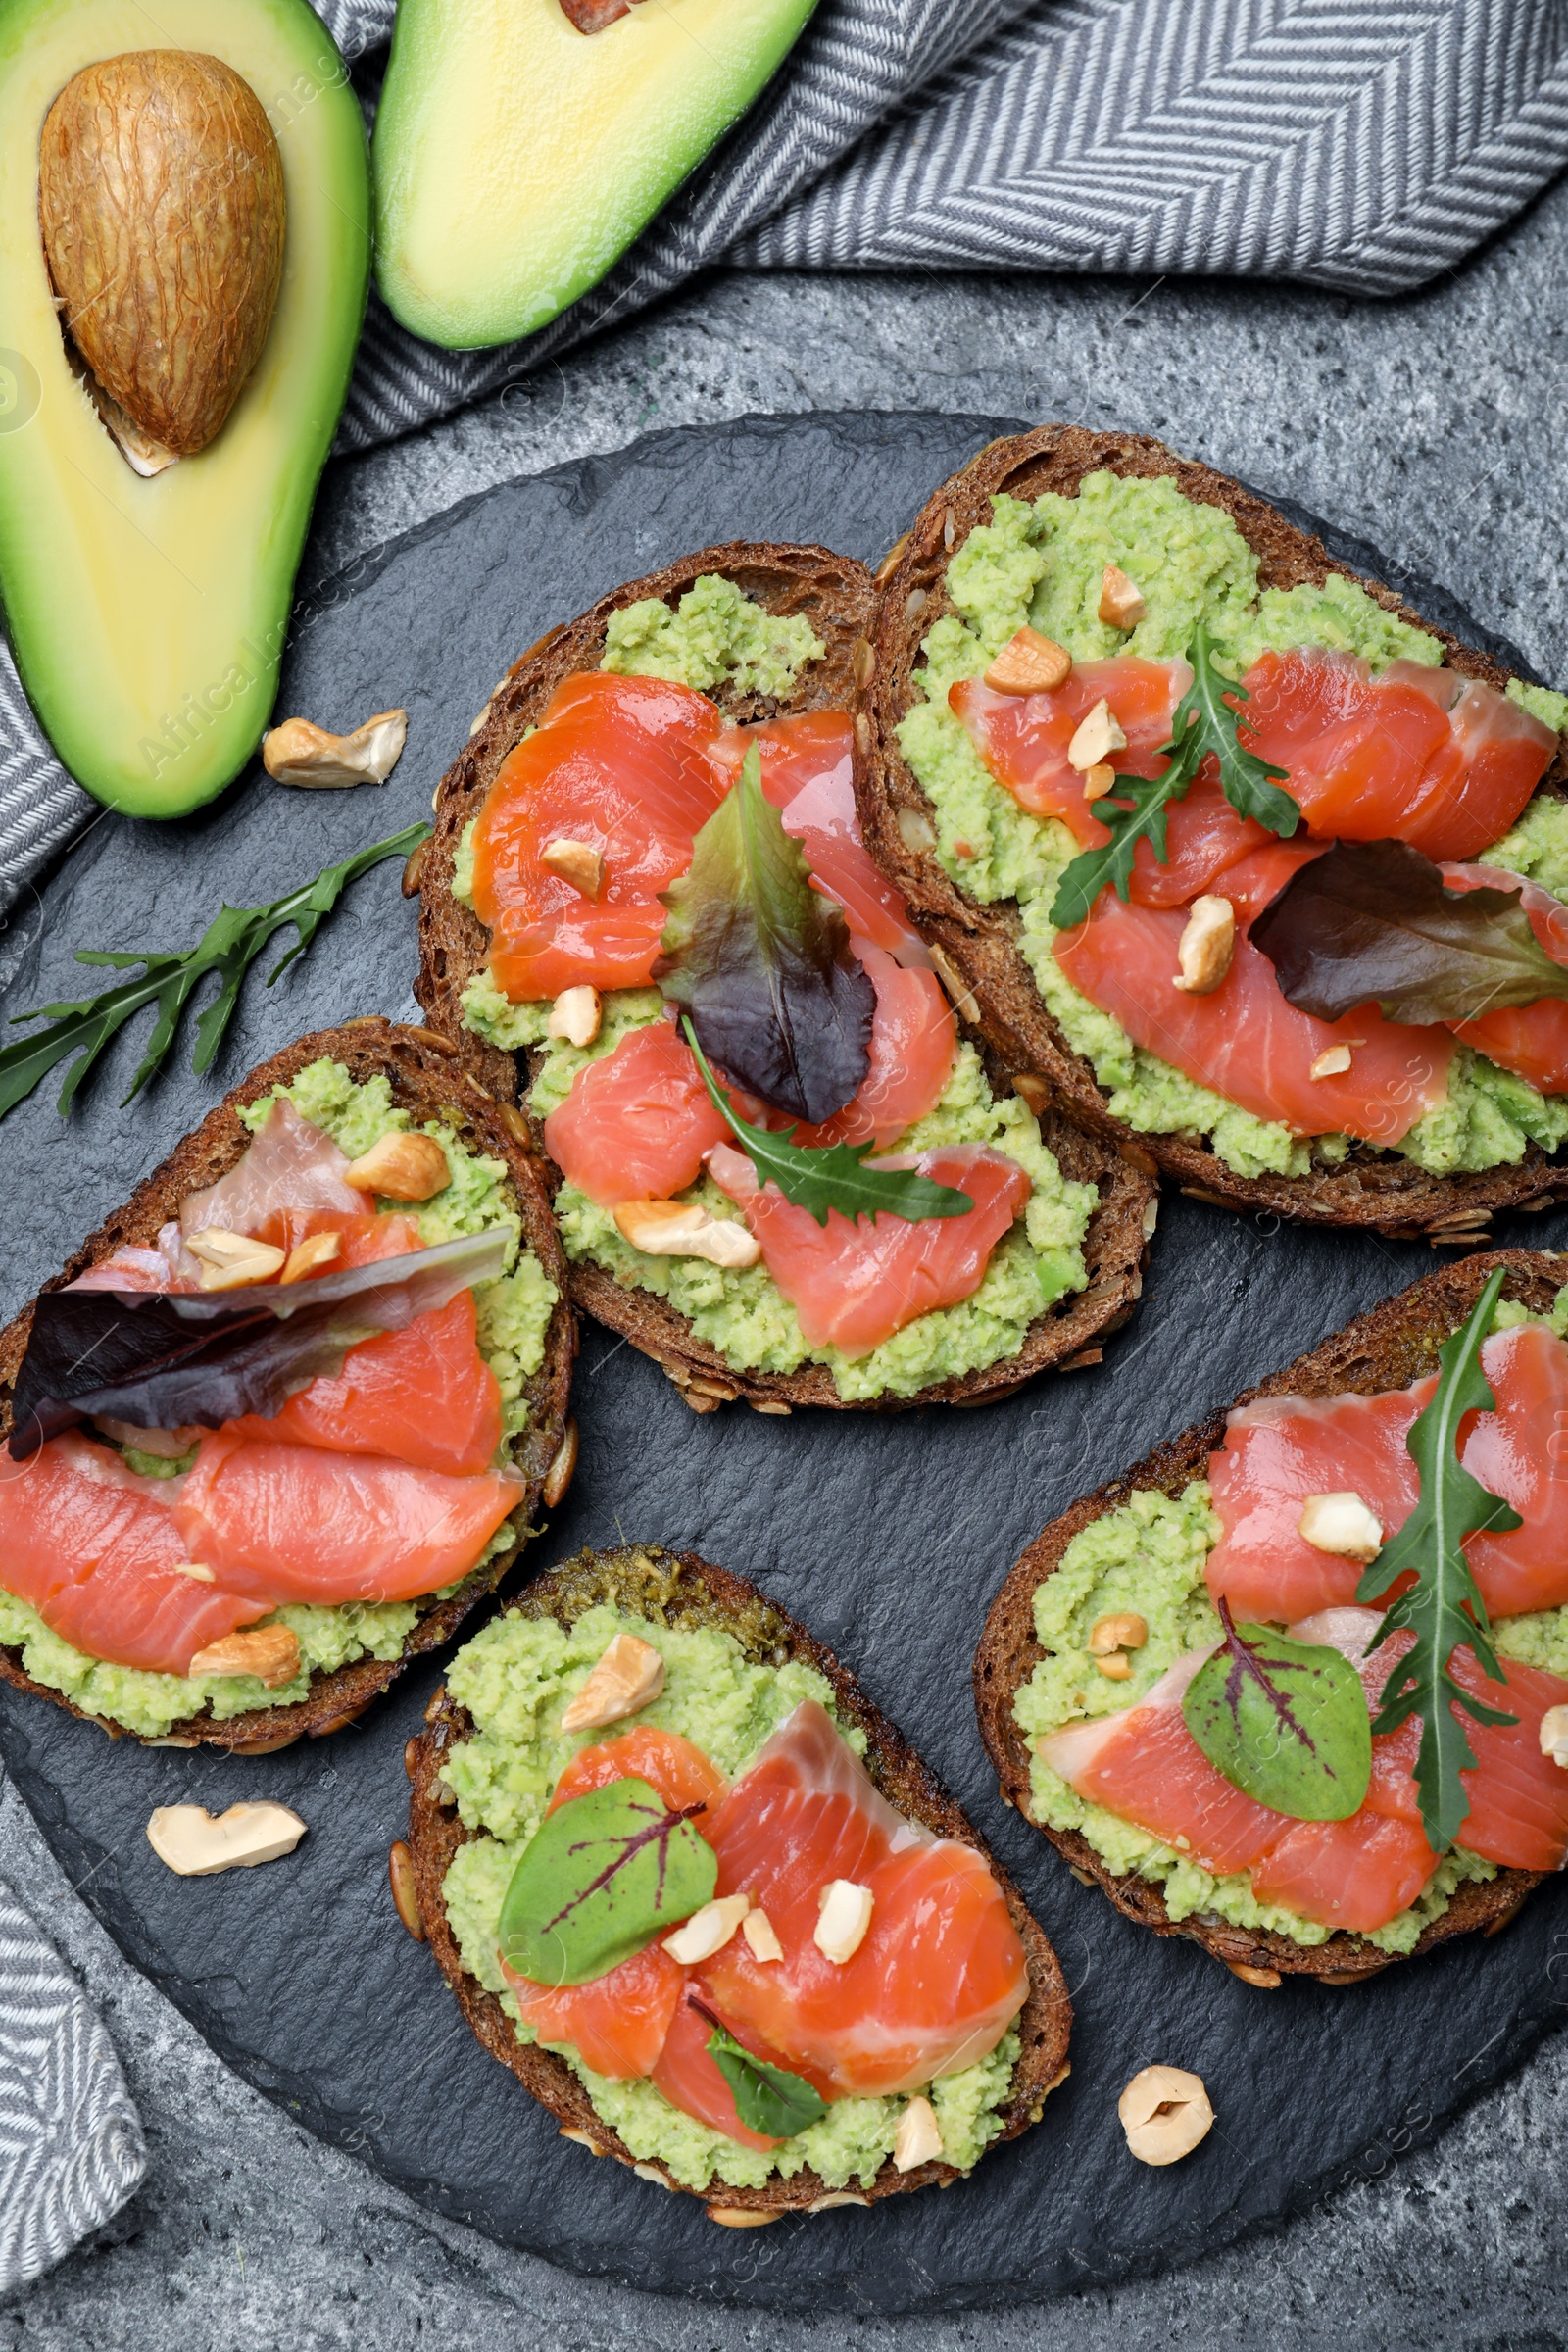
[[516, 1678], [514, 1318], [1042, 564]]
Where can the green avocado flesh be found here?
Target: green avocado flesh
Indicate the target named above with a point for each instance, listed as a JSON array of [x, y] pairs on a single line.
[[513, 1320], [516, 1678], [147, 618], [1042, 564], [516, 157]]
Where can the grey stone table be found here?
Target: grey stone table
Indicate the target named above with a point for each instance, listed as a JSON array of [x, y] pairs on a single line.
[[1436, 430]]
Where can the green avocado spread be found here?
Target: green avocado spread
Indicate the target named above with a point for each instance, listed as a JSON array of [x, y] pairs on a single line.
[[1042, 564], [718, 634], [516, 1678], [514, 1317]]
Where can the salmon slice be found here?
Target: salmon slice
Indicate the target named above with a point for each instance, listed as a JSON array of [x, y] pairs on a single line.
[[1416, 753], [618, 2024], [1283, 1449], [1243, 1039], [941, 1973], [689, 2077], [289, 1164], [854, 1285], [620, 765], [1023, 739], [98, 1552], [638, 1124], [1357, 1873], [1531, 1039], [301, 1524], [671, 1766], [1204, 839], [914, 1038]]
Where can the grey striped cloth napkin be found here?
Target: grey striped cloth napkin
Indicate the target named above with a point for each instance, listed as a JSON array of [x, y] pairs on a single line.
[[70, 2144], [1356, 145]]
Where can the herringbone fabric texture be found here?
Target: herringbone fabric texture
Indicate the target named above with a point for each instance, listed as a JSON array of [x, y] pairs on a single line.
[[71, 2143]]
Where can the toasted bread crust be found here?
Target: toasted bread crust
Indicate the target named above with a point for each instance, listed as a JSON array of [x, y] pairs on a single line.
[[1377, 1190], [428, 1080], [680, 1587], [1391, 1347], [837, 596]]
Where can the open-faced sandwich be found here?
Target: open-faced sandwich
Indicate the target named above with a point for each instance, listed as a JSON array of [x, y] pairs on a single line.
[[285, 1417], [1298, 1684], [710, 1907], [786, 1173], [1255, 868]]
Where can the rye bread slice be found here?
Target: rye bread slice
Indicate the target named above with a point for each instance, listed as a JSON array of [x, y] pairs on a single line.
[[1371, 1189], [1391, 1347], [428, 1080], [678, 1589], [836, 596]]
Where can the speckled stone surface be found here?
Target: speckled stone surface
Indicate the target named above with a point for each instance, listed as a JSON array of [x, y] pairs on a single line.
[[1435, 428]]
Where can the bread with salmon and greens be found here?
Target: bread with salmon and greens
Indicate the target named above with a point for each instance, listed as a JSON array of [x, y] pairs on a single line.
[[789, 1173], [288, 1416], [1256, 871], [1297, 1686], [711, 1908]]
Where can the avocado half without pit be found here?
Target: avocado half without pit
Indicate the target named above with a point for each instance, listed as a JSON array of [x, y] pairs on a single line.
[[520, 145], [184, 251]]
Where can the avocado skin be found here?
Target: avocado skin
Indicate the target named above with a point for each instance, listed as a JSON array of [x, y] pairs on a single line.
[[147, 616], [515, 159]]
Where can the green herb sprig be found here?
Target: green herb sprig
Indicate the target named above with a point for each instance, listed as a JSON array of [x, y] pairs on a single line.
[[1283, 1720], [1443, 1608], [229, 947], [823, 1176], [1135, 806], [768, 2099]]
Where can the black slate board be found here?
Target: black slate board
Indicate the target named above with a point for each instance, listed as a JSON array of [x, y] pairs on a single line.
[[887, 1537]]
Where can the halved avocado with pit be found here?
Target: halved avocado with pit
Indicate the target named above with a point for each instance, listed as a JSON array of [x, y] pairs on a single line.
[[147, 616], [515, 157]]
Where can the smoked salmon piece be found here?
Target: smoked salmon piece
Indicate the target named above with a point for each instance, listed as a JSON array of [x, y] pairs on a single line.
[[637, 1124], [621, 765], [98, 1552], [1357, 1873], [1023, 739], [617, 2023], [913, 1039], [671, 1766], [689, 2077], [941, 1973], [290, 1163], [1531, 1039], [854, 1285], [301, 1524]]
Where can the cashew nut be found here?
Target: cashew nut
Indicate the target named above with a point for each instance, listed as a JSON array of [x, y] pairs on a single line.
[[843, 1913], [401, 1167], [679, 1229], [1332, 1062], [1555, 1734], [1097, 737], [298, 753], [196, 1846], [574, 1016], [1341, 1523], [1206, 946], [231, 1260], [1029, 664], [317, 1250], [709, 1930], [1165, 2112], [577, 862], [760, 1936], [918, 2139], [1121, 604], [629, 1674], [270, 1652]]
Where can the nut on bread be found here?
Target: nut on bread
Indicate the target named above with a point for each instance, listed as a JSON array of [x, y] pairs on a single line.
[[428, 1080], [678, 1589]]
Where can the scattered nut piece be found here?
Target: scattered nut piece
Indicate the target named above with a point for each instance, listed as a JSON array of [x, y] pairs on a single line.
[[198, 1570], [231, 1260], [1116, 1665], [918, 2139], [709, 1930], [1207, 945], [1126, 1629], [401, 1167], [1121, 603], [1097, 780], [298, 753], [916, 831], [574, 1016], [1332, 1062], [679, 1229], [1165, 2112], [271, 1652], [1555, 1734], [197, 1846], [762, 1937], [1029, 664], [405, 1894], [1097, 737], [317, 1250], [577, 862], [843, 1913], [559, 1475], [630, 1675], [1341, 1524]]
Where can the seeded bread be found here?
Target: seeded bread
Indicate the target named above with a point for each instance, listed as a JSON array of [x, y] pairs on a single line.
[[668, 1588], [427, 1080], [1371, 1189], [836, 596], [1391, 1347]]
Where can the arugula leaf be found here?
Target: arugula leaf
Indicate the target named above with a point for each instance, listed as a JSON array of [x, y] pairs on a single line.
[[229, 947], [1284, 1721], [761, 961], [1443, 1608], [598, 1879], [767, 2099], [1135, 806], [823, 1176], [1373, 922]]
